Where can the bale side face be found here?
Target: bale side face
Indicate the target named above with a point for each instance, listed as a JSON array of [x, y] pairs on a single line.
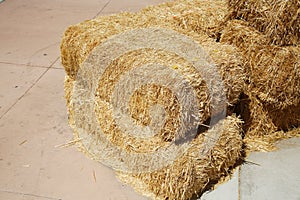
[[142, 99]]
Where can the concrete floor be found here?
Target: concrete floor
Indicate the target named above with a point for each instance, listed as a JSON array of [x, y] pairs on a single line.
[[33, 117], [267, 176]]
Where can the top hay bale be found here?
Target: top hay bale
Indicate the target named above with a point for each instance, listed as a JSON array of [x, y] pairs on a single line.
[[79, 40], [202, 16], [279, 20]]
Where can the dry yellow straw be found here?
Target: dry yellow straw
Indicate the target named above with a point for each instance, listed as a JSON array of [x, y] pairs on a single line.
[[273, 87], [279, 20], [192, 171]]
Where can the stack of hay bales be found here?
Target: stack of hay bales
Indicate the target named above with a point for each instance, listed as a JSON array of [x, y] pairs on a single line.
[[267, 34], [254, 40], [190, 173]]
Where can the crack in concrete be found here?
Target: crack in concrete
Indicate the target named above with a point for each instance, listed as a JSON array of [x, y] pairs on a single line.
[[31, 195], [23, 65], [36, 81], [107, 3], [40, 50]]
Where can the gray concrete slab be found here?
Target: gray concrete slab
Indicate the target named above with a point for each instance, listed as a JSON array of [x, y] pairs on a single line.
[[275, 176], [225, 191]]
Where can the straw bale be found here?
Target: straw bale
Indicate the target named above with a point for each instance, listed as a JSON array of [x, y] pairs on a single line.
[[139, 105], [192, 173], [265, 125], [274, 72], [270, 105], [279, 20], [79, 40], [202, 16]]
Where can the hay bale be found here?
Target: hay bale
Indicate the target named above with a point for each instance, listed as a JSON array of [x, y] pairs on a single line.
[[273, 71], [271, 104], [192, 174], [202, 16], [279, 20], [265, 125], [79, 40]]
